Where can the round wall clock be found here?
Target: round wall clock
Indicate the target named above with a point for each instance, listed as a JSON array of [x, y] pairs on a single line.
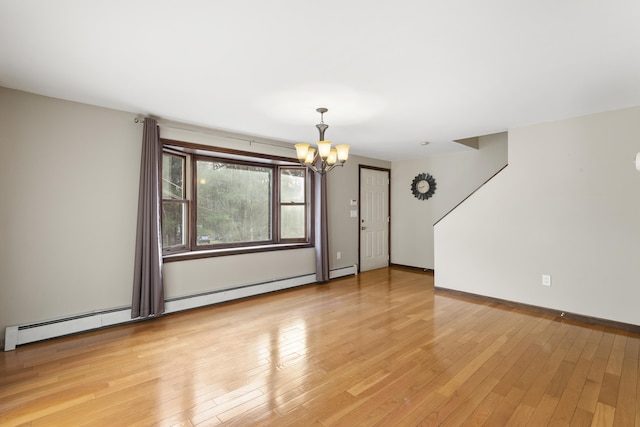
[[423, 186]]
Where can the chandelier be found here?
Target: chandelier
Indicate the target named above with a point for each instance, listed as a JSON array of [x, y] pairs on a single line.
[[329, 157]]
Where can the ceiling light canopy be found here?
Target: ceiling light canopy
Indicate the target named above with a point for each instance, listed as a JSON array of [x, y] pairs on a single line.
[[325, 157]]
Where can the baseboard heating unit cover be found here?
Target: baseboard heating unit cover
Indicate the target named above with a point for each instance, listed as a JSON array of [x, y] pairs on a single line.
[[33, 332]]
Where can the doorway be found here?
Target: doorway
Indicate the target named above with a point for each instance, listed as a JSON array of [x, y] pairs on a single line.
[[374, 218]]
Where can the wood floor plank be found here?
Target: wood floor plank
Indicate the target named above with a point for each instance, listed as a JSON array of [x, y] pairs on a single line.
[[505, 408], [627, 400], [544, 410], [570, 395], [589, 396], [609, 390], [484, 410], [381, 348], [614, 365], [546, 366], [601, 357], [581, 418], [603, 416], [458, 408]]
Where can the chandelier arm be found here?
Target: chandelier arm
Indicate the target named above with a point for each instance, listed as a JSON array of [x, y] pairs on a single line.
[[327, 169], [341, 164], [337, 156], [312, 167]]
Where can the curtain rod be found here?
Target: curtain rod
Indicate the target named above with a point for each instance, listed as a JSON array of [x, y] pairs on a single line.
[[212, 132]]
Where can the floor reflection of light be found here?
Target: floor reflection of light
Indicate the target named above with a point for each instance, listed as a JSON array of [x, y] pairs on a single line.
[[289, 361], [275, 366], [293, 339]]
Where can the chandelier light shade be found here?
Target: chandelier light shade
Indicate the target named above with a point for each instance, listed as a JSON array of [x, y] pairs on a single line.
[[329, 156]]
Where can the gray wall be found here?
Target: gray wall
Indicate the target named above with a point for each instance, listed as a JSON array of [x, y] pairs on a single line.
[[568, 205], [345, 231], [69, 175], [457, 175]]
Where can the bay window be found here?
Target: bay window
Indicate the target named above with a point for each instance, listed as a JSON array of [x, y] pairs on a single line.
[[226, 201]]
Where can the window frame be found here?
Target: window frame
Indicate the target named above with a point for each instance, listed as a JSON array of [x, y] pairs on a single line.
[[193, 153], [184, 202], [308, 176]]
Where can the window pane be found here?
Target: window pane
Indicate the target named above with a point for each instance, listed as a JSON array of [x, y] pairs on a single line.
[[292, 222], [292, 186], [233, 203], [173, 224], [172, 176]]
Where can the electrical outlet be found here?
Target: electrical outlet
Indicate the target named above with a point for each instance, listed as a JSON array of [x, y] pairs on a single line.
[[338, 255], [546, 280]]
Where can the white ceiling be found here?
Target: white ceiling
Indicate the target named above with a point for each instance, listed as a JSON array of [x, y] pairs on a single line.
[[392, 73]]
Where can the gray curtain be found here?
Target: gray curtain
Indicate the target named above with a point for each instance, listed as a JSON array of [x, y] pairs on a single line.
[[321, 229], [148, 292]]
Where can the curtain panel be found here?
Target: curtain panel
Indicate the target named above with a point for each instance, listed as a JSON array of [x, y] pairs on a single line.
[[321, 229], [148, 291]]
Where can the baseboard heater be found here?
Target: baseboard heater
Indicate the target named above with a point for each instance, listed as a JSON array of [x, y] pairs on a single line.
[[29, 333]]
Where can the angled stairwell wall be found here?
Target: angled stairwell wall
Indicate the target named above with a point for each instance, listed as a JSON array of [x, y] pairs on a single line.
[[457, 175], [568, 207]]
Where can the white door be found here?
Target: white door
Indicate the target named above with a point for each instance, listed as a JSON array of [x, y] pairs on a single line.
[[374, 219]]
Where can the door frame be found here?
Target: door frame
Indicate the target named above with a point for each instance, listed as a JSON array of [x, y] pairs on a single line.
[[360, 168]]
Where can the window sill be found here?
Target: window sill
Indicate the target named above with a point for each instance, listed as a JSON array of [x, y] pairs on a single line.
[[183, 256]]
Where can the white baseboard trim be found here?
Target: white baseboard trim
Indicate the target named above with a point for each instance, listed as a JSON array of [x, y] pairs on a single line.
[[173, 305], [24, 334], [28, 333], [344, 271]]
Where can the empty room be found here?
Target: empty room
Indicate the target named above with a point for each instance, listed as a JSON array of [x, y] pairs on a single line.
[[319, 214]]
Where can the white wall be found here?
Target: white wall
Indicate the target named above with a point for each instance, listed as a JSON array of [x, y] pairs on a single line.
[[457, 175], [568, 205], [69, 182]]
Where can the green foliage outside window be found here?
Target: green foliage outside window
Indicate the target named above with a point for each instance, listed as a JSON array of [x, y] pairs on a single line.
[[233, 202], [292, 203], [174, 201]]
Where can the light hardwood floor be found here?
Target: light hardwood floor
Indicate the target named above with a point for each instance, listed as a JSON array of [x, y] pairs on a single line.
[[381, 348]]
